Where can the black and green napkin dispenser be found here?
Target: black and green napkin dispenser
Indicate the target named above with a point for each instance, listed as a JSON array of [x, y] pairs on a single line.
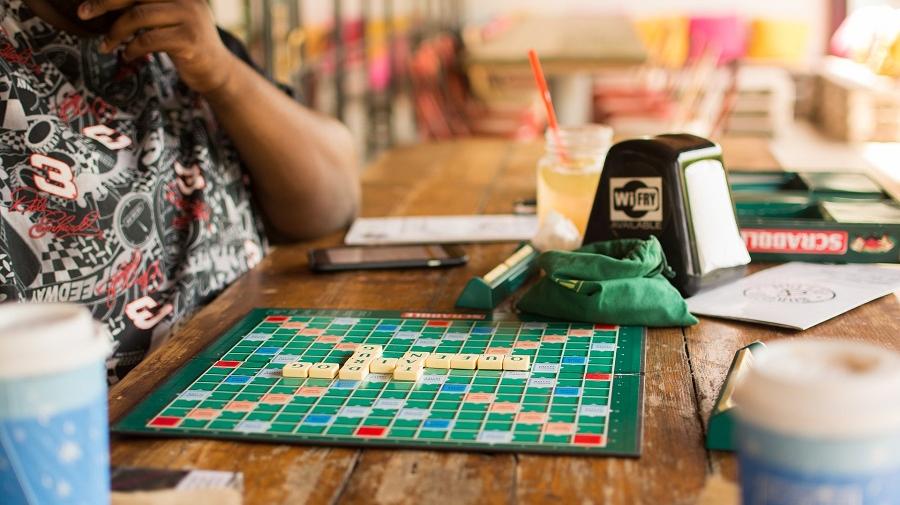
[[673, 187]]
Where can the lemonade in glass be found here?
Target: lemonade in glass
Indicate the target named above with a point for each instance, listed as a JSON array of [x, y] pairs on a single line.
[[567, 175]]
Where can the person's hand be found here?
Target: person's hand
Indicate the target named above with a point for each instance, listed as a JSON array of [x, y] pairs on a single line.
[[184, 29]]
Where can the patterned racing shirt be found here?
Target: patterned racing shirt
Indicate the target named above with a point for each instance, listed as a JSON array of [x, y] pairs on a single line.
[[118, 189]]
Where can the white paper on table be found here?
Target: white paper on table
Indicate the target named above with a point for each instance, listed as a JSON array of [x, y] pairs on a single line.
[[797, 295], [441, 229]]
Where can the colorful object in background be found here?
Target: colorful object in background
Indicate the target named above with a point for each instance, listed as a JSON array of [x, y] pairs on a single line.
[[54, 444], [779, 41], [563, 404], [819, 422], [871, 35], [722, 36], [666, 38], [891, 64], [378, 56]]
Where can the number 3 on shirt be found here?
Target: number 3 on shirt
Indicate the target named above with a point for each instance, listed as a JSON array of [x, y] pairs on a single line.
[[57, 178], [103, 134], [142, 315]]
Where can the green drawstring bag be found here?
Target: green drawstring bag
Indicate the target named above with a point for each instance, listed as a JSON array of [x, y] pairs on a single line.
[[614, 282]]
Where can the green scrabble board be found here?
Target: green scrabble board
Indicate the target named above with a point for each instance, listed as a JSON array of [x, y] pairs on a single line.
[[581, 395]]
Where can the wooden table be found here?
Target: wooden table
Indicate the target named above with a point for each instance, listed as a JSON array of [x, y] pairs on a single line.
[[684, 368]]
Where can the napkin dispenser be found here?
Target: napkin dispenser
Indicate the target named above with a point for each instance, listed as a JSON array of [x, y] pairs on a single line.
[[672, 186]]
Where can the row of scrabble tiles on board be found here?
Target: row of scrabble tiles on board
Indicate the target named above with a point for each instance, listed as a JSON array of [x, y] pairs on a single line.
[[367, 358]]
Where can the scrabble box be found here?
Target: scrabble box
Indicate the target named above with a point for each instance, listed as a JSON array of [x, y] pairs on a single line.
[[816, 216]]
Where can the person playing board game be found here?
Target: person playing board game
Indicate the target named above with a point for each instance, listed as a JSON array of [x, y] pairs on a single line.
[[140, 155]]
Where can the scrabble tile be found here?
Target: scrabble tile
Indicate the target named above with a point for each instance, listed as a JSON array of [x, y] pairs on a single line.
[[417, 355], [438, 360], [359, 361], [354, 372], [296, 369], [411, 361], [376, 350], [519, 363], [407, 373], [464, 361], [490, 362], [383, 365], [323, 370], [367, 355]]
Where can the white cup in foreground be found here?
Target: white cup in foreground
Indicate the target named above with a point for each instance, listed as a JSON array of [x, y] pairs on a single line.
[[819, 423], [54, 442]]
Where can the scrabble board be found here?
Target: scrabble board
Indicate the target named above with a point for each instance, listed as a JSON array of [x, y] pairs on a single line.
[[582, 393]]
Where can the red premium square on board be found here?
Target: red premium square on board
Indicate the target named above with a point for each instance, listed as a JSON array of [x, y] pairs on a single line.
[[588, 439], [165, 422], [371, 431]]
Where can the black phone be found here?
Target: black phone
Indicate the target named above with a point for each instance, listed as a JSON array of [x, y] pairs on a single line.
[[392, 256]]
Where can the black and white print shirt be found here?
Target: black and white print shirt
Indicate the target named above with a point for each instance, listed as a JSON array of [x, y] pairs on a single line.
[[118, 189]]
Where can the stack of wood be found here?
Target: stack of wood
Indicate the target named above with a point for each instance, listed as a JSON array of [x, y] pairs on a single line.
[[857, 105], [763, 102]]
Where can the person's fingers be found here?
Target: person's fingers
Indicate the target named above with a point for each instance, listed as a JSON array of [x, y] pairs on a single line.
[[171, 39], [89, 9], [142, 16]]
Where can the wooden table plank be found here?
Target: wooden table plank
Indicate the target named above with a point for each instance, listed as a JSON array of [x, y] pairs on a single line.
[[401, 477]]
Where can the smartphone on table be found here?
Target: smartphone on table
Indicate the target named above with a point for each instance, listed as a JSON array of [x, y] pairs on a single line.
[[390, 256]]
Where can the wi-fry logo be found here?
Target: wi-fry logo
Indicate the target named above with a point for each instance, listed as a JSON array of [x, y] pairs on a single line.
[[635, 198], [638, 200]]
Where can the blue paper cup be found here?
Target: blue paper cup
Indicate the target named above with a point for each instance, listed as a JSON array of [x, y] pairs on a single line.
[[819, 424], [54, 443]]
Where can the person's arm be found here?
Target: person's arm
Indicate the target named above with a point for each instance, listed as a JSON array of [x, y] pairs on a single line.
[[303, 164]]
